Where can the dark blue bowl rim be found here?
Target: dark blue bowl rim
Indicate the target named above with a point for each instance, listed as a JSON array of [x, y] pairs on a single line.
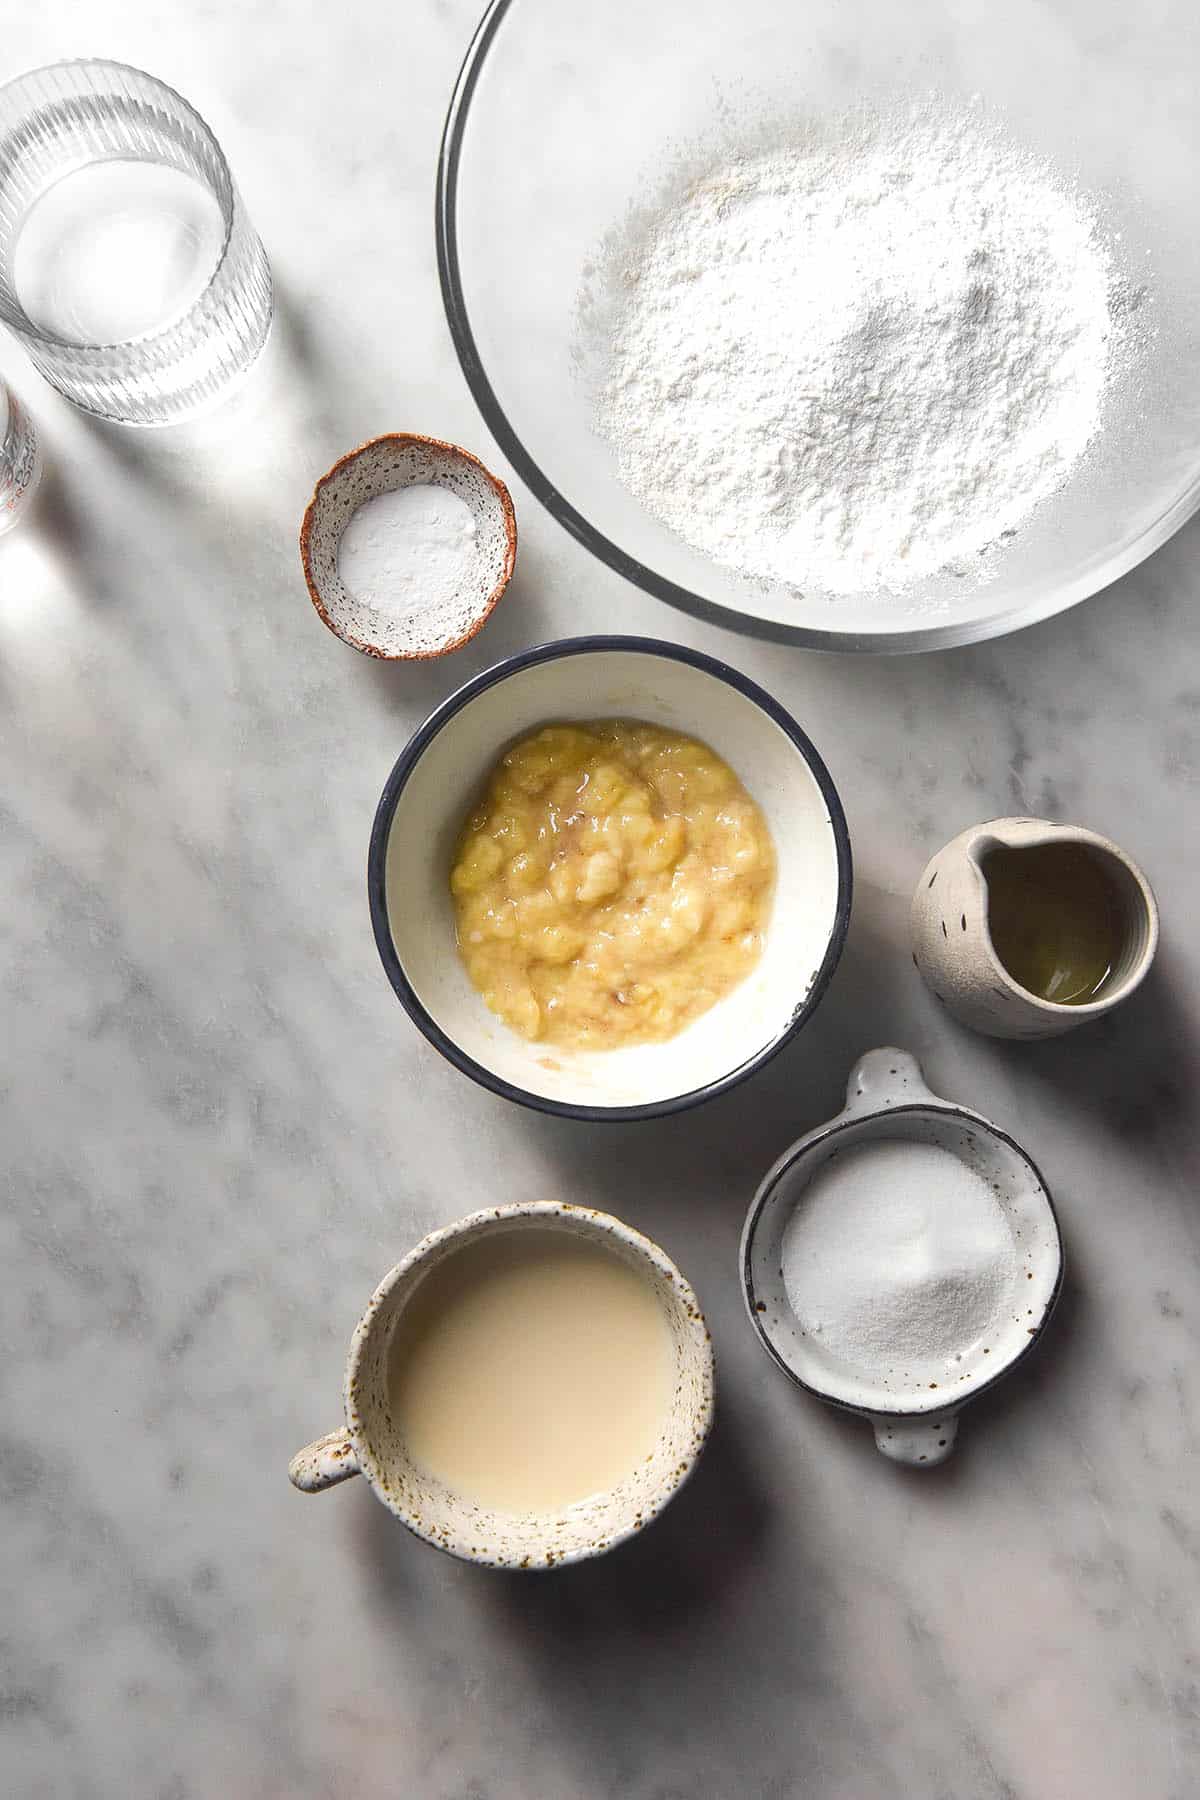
[[407, 761]]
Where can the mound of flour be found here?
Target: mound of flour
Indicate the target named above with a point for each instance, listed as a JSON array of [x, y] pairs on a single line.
[[862, 360]]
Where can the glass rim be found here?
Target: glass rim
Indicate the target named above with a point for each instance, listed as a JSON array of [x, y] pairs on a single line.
[[1047, 602], [13, 313]]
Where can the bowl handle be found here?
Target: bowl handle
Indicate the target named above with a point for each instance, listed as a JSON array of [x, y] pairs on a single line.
[[918, 1443], [323, 1464], [886, 1077]]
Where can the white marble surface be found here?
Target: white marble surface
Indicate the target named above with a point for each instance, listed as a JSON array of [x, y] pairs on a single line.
[[219, 1128]]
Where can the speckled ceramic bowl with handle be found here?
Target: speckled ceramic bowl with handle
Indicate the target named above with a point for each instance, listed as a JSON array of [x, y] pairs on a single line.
[[370, 1444], [436, 783], [887, 1100]]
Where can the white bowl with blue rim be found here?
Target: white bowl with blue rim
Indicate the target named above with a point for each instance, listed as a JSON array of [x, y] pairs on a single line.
[[439, 776]]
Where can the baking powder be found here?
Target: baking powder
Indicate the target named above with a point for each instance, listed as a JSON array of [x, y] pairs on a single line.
[[409, 554]]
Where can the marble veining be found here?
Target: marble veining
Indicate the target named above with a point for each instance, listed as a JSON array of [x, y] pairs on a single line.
[[219, 1127]]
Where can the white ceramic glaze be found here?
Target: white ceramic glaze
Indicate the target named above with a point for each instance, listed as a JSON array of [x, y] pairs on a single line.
[[887, 1098], [436, 782], [952, 944], [369, 1443], [401, 459]]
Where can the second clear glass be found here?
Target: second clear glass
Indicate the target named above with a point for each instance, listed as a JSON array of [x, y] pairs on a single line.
[[20, 459]]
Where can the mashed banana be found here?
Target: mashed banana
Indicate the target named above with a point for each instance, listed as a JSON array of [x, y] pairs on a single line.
[[613, 883]]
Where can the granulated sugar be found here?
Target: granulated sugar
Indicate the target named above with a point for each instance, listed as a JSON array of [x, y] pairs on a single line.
[[900, 1258], [861, 360]]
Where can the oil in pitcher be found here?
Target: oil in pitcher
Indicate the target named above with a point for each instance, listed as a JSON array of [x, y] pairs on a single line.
[[1055, 918]]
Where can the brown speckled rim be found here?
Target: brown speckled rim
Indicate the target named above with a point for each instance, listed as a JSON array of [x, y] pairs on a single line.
[[428, 443], [544, 1212]]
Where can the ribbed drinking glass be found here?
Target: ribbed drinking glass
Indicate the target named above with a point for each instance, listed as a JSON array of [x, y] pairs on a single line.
[[128, 266]]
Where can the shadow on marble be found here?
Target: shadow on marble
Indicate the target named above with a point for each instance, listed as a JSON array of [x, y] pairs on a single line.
[[997, 700], [714, 1156], [1056, 1369], [707, 1541], [1026, 1404], [1130, 1077], [275, 431], [59, 533], [59, 574], [605, 1642], [690, 1608], [301, 352], [55, 515]]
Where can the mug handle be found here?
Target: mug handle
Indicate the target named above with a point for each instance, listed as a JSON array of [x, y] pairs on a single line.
[[324, 1463]]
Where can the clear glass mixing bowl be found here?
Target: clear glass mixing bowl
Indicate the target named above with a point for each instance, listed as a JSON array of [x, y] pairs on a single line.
[[566, 113]]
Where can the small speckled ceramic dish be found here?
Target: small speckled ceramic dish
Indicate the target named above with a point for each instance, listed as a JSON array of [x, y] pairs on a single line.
[[369, 1443], [402, 459], [435, 783], [887, 1100]]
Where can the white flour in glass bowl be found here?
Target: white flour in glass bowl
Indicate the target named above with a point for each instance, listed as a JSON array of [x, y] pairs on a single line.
[[864, 358]]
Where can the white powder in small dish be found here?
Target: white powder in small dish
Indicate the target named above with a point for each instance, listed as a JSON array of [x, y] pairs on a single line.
[[409, 550], [899, 1259]]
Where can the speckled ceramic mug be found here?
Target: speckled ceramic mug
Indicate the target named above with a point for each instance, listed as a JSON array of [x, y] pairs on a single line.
[[369, 1443]]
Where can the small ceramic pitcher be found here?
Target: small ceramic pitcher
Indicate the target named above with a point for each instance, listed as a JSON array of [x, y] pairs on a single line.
[[952, 940]]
